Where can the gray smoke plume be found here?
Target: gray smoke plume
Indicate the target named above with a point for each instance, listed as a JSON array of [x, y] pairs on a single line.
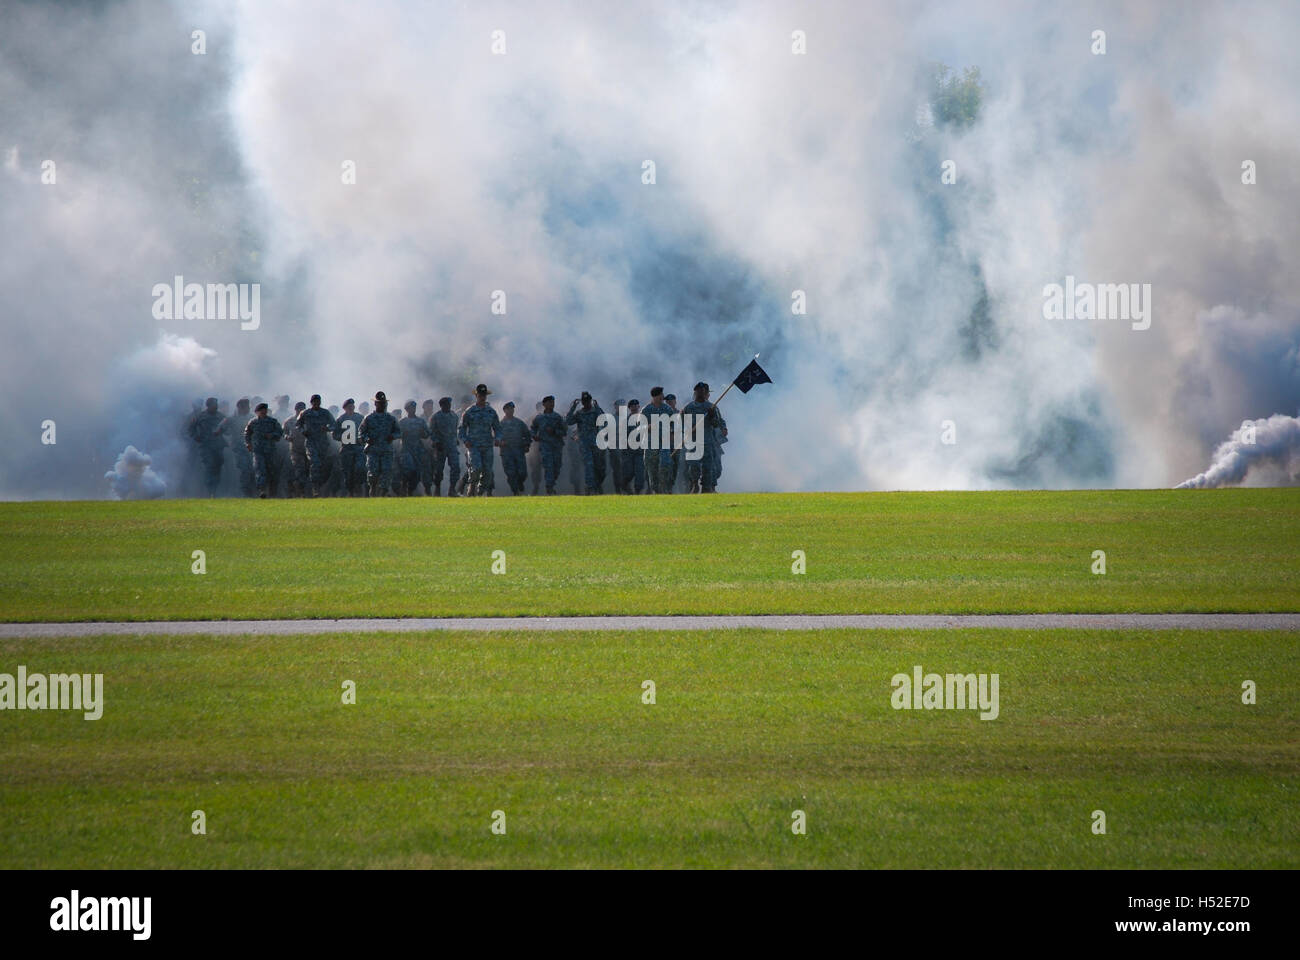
[[132, 477], [1267, 451], [776, 172]]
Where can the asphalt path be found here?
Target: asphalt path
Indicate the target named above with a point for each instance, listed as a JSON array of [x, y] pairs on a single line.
[[1027, 621]]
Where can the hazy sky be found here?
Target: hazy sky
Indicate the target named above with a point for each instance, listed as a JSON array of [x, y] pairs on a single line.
[[775, 172]]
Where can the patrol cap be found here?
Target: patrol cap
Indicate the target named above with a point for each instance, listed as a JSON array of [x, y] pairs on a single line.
[[633, 403], [701, 386], [444, 401], [315, 398], [428, 403], [261, 406], [410, 405], [241, 402], [549, 398], [508, 403], [620, 403], [482, 389], [671, 396], [300, 405], [586, 395], [349, 402]]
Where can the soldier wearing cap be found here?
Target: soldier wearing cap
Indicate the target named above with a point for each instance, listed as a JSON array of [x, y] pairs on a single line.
[[260, 437], [299, 483], [633, 460], [514, 439], [442, 428], [479, 428], [548, 430], [378, 431], [347, 431], [414, 432], [426, 446], [700, 473], [670, 460], [234, 428], [315, 425], [655, 458], [614, 454], [207, 430], [593, 459]]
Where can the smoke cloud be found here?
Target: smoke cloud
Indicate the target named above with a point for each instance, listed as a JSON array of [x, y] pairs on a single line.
[[775, 172], [1267, 451]]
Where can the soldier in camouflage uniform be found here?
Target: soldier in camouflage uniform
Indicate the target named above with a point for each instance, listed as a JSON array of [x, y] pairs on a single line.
[[633, 460], [549, 432], [534, 458], [426, 464], [260, 437], [298, 476], [233, 428], [378, 431], [315, 425], [699, 473], [347, 431], [614, 454], [442, 429], [479, 430], [657, 461], [514, 439], [206, 429], [414, 432], [671, 461], [593, 459]]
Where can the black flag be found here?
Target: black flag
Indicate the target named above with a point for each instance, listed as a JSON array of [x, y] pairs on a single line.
[[751, 376]]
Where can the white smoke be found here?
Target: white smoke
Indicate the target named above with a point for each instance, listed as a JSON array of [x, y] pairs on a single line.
[[1255, 446], [775, 172], [133, 478]]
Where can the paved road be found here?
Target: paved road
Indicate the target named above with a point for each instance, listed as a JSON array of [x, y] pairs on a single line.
[[1033, 621]]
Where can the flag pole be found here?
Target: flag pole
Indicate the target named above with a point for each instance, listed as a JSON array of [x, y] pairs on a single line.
[[729, 386]]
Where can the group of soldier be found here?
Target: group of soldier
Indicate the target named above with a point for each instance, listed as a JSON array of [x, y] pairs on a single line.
[[359, 451]]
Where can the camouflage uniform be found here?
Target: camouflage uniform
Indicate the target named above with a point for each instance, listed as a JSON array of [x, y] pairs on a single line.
[[316, 425], [479, 429], [414, 432], [633, 460], [351, 461], [515, 440], [699, 473], [378, 431], [548, 431], [442, 428], [593, 459], [657, 462], [243, 459], [206, 431], [299, 481], [262, 434]]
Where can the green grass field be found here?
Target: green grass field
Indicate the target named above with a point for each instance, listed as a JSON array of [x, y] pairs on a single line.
[[1008, 552], [747, 727]]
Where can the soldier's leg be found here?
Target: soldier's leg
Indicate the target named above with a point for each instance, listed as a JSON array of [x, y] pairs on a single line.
[[638, 472], [453, 470], [598, 467], [261, 478], [588, 467]]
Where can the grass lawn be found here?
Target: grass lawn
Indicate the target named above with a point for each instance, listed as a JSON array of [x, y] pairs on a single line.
[[1007, 552], [748, 727]]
